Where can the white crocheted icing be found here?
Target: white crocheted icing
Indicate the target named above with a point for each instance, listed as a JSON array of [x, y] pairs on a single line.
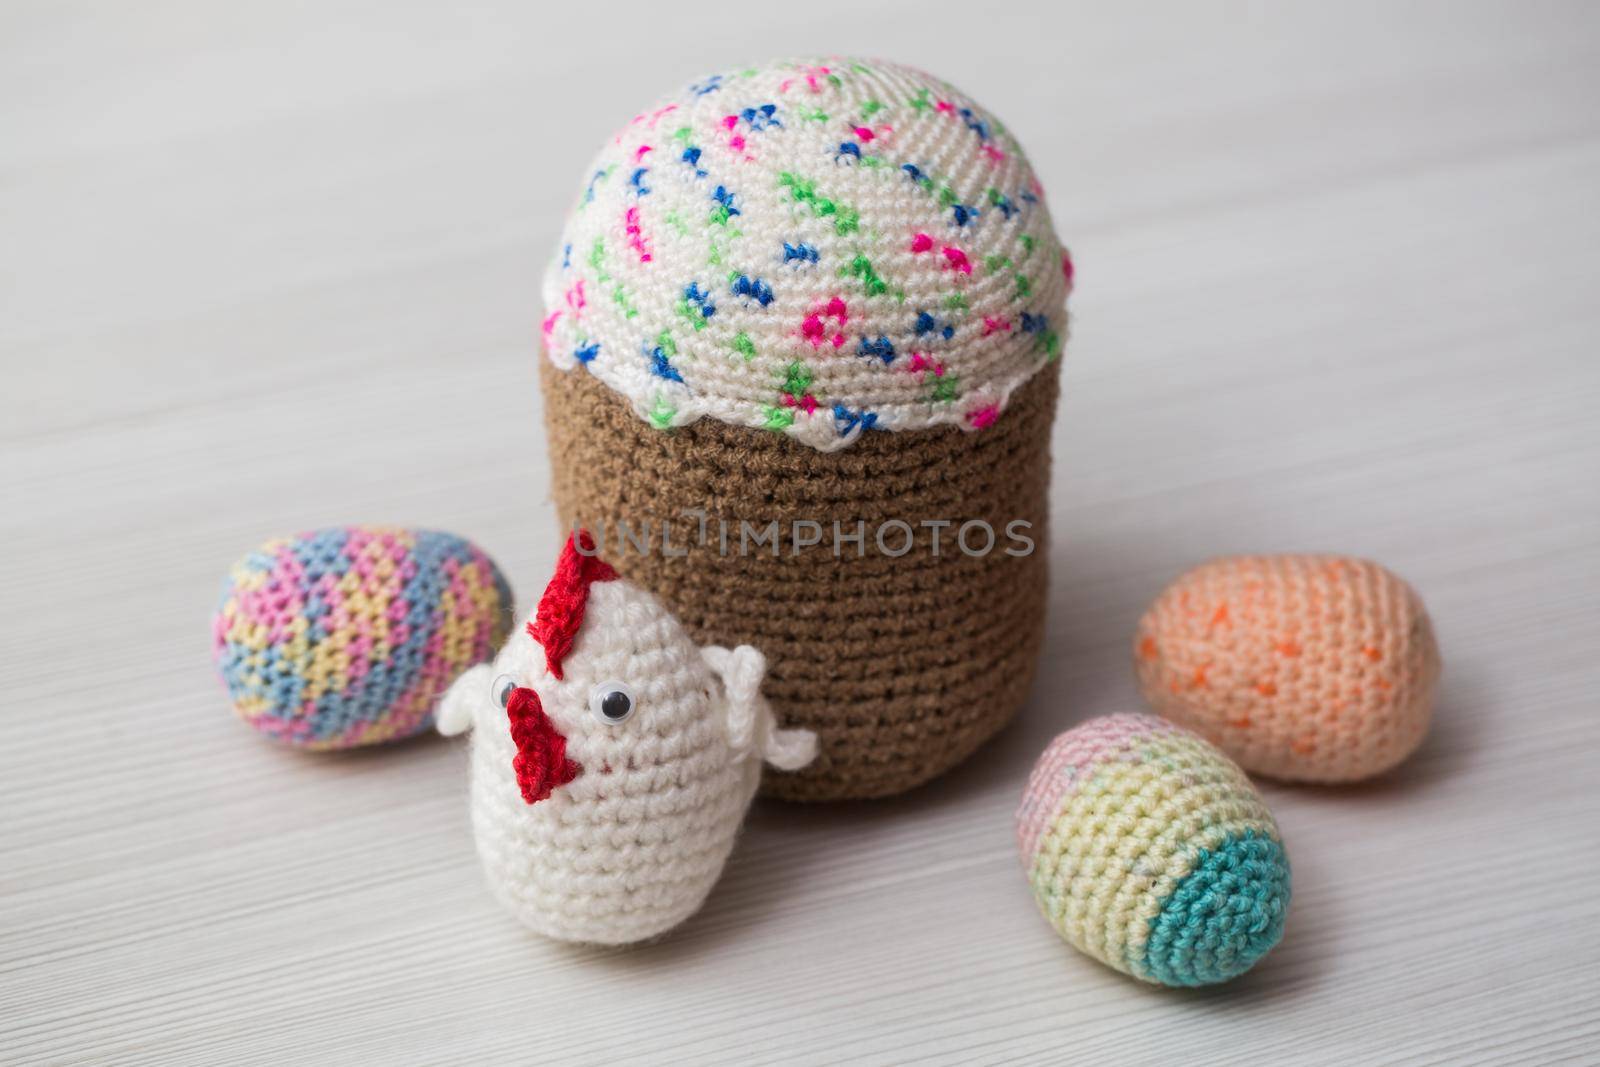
[[820, 248], [632, 844]]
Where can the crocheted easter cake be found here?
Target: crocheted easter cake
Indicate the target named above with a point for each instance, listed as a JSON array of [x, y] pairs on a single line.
[[802, 334]]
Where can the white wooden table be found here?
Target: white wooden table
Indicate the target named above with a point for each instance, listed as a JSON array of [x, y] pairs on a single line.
[[268, 266]]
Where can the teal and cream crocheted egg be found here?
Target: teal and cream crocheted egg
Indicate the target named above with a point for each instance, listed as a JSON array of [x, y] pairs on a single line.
[[1149, 850]]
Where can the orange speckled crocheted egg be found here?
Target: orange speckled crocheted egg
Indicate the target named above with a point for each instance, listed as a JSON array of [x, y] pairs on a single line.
[[1304, 668]]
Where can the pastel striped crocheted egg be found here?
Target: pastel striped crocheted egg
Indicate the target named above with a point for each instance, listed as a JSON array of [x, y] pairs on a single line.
[[818, 247], [1304, 668], [348, 636], [1150, 850]]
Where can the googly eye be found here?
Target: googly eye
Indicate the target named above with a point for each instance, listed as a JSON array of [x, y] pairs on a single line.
[[611, 702], [500, 689]]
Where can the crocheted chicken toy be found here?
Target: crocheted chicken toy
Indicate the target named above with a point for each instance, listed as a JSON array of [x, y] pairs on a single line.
[[612, 759]]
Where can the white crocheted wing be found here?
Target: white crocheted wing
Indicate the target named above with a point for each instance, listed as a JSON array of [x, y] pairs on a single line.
[[752, 727], [466, 695]]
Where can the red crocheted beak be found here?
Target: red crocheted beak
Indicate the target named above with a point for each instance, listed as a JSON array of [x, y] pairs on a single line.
[[541, 762]]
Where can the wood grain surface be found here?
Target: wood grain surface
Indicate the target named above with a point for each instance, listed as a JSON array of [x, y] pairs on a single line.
[[266, 267]]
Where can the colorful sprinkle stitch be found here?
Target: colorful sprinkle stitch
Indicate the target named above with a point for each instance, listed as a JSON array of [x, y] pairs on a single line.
[[788, 214]]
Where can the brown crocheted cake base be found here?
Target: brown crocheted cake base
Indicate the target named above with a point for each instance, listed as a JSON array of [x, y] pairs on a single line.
[[903, 666]]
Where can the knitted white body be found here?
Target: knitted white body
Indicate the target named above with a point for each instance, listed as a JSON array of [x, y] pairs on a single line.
[[633, 844]]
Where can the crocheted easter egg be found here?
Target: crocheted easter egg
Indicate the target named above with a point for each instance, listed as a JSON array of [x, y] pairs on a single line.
[[821, 295], [612, 759], [1304, 668], [348, 636], [1149, 850]]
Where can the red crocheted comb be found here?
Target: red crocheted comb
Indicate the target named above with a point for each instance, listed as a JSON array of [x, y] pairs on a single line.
[[560, 613]]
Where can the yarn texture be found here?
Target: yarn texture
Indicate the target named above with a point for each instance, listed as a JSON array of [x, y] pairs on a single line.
[[348, 636], [609, 782], [1307, 668], [903, 666], [821, 248], [762, 276], [1150, 851]]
